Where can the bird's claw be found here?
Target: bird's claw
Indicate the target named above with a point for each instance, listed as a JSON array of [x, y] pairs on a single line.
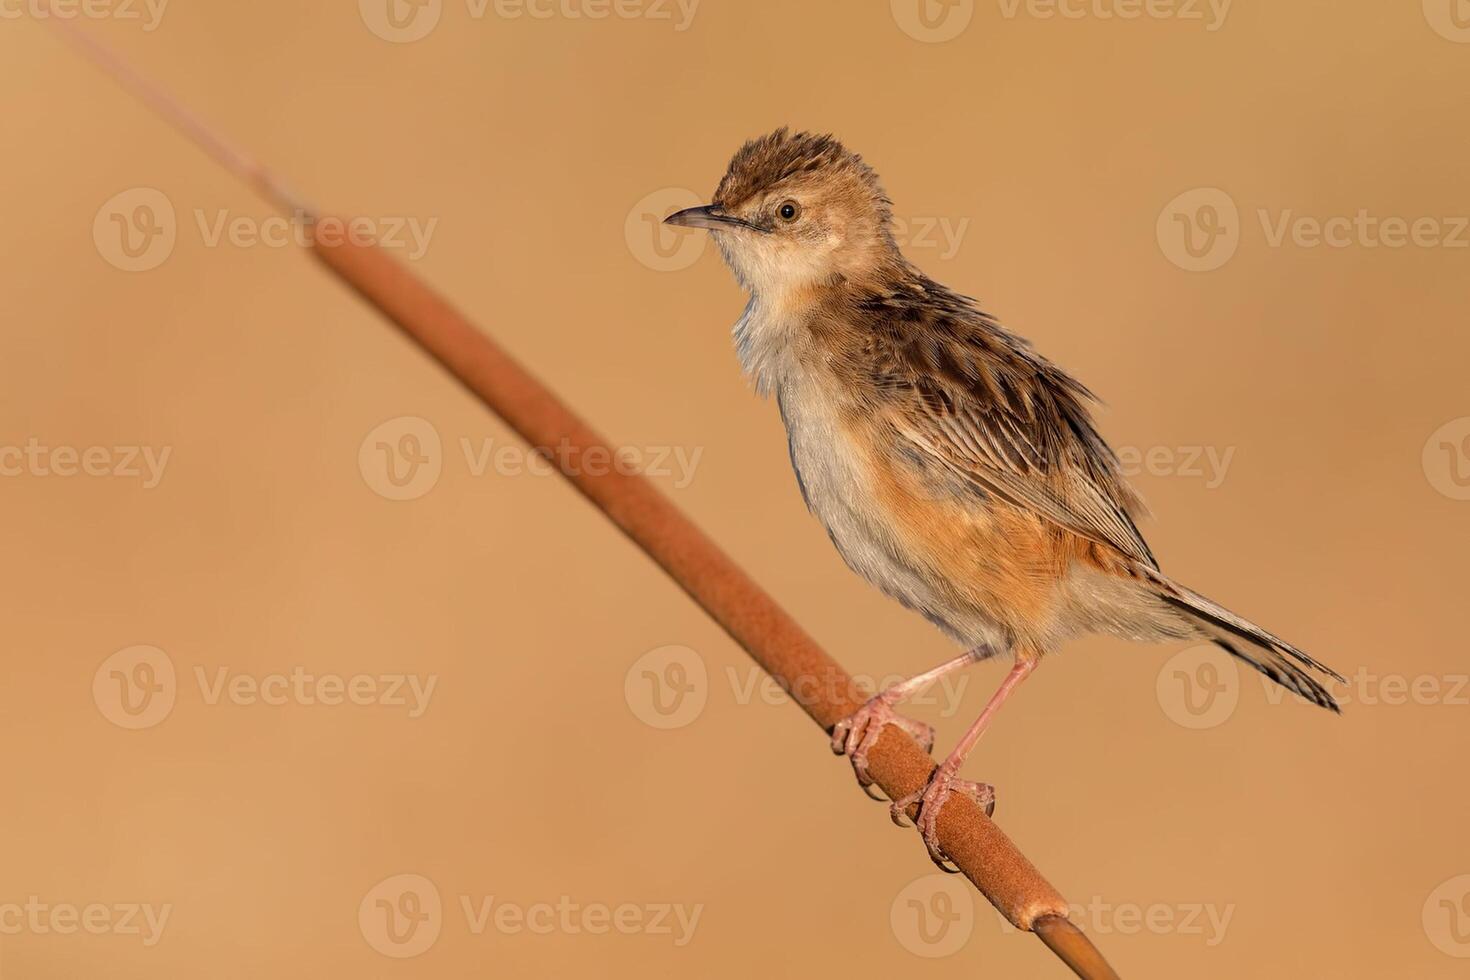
[[931, 799], [855, 735]]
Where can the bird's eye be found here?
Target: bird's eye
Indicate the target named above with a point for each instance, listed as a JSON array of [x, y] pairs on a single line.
[[789, 211]]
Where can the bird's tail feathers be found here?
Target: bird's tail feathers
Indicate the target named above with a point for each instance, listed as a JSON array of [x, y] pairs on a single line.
[[1244, 640]]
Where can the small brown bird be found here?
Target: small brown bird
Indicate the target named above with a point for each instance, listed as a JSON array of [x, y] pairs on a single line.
[[953, 467]]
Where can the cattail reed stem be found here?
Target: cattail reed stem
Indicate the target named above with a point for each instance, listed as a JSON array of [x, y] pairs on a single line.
[[766, 631]]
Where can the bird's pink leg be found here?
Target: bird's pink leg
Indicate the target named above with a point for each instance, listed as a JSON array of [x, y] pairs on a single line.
[[856, 734], [945, 780]]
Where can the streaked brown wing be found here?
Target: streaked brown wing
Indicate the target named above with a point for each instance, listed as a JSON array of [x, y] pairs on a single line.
[[977, 401]]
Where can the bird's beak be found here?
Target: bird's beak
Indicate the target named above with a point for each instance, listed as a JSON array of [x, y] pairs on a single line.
[[707, 216]]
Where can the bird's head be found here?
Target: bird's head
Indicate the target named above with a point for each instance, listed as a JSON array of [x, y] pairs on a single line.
[[797, 210]]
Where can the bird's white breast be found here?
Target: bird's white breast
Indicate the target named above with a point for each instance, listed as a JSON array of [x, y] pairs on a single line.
[[836, 475]]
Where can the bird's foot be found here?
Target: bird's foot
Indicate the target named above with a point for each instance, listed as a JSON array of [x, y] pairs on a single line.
[[931, 799], [855, 735]]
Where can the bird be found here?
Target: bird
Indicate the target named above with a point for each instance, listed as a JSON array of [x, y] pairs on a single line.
[[954, 467]]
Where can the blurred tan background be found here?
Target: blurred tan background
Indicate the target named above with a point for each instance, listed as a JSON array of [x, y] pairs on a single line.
[[309, 673]]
